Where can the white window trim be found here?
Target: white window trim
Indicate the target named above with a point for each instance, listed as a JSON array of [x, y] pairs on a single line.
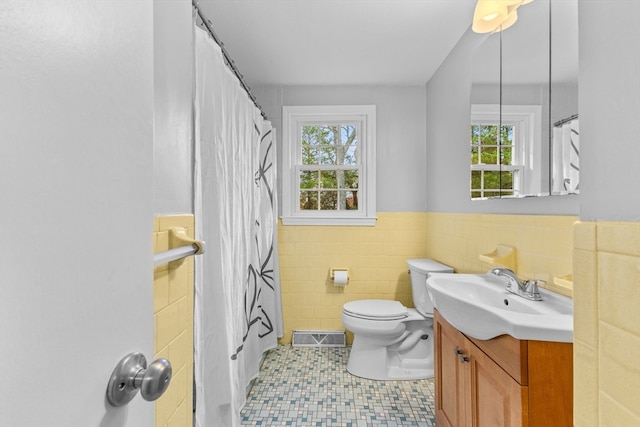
[[528, 157], [292, 117]]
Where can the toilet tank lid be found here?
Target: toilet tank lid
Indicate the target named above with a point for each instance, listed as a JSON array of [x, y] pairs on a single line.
[[376, 308], [425, 265]]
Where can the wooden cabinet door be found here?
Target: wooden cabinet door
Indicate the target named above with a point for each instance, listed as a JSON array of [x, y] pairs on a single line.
[[502, 382], [497, 400], [451, 376]]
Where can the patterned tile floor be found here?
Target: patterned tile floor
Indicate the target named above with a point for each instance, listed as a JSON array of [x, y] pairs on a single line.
[[302, 386]]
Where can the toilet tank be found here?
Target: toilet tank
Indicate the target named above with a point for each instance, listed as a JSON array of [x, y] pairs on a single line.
[[418, 270]]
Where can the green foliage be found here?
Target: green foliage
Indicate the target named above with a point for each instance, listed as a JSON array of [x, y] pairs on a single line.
[[485, 147], [493, 180], [329, 186], [329, 145], [488, 149]]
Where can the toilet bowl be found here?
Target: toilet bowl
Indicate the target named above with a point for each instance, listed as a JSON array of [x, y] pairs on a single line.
[[391, 341]]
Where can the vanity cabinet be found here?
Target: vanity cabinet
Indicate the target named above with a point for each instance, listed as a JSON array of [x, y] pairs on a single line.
[[502, 382]]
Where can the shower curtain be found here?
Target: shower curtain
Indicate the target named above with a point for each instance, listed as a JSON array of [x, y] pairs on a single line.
[[237, 313], [566, 158]]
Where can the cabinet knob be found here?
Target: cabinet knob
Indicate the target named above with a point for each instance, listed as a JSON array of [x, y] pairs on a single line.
[[461, 357]]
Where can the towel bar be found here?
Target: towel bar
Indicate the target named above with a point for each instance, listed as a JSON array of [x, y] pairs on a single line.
[[189, 246]]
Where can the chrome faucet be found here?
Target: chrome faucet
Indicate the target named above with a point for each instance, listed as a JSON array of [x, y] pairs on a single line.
[[525, 288]]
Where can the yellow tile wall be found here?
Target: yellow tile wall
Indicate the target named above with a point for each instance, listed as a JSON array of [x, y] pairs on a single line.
[[543, 243], [375, 256], [173, 312], [606, 324], [603, 257]]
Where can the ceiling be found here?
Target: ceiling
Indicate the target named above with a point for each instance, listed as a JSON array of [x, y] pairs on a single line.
[[338, 42]]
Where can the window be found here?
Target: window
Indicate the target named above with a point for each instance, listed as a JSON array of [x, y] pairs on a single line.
[[504, 164], [493, 171], [329, 165]]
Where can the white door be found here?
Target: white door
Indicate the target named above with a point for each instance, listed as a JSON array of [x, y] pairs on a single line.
[[76, 208]]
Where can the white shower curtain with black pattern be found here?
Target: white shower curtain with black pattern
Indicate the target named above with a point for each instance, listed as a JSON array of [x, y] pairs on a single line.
[[237, 313], [565, 157]]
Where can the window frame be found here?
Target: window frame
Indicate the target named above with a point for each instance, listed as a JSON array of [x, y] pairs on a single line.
[[293, 118], [527, 144]]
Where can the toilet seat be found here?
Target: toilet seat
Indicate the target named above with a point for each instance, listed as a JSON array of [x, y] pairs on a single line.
[[376, 309]]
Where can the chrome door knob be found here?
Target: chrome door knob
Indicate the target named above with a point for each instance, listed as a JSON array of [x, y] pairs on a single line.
[[131, 374], [154, 380]]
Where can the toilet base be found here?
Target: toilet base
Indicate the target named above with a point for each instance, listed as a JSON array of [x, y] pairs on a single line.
[[411, 369], [370, 360], [397, 374]]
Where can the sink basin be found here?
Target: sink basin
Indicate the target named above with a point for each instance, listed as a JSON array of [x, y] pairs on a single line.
[[479, 306]]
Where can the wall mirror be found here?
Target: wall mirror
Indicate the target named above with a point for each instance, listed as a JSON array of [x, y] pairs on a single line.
[[524, 127]]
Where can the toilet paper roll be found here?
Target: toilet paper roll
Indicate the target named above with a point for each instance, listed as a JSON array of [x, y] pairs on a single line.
[[340, 277]]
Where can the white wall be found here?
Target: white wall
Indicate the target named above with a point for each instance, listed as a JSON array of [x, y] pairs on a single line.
[[448, 112], [400, 140], [173, 82], [76, 217], [610, 110]]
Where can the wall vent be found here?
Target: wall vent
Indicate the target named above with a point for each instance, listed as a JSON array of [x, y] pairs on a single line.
[[318, 339]]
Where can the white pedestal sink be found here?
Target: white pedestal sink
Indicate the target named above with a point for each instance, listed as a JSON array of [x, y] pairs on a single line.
[[479, 306]]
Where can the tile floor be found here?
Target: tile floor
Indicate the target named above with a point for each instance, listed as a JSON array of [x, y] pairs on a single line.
[[302, 386]]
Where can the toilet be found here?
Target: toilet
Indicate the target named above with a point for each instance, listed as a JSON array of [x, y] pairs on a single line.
[[391, 341]]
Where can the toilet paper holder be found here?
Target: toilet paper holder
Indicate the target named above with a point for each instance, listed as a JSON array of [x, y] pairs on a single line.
[[332, 273]]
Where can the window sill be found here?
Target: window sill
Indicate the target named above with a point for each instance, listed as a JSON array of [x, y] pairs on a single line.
[[337, 221]]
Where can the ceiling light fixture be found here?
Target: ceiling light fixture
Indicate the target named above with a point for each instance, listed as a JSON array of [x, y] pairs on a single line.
[[496, 15]]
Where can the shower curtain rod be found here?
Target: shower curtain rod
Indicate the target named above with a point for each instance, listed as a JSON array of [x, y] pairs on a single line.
[[230, 63], [563, 121]]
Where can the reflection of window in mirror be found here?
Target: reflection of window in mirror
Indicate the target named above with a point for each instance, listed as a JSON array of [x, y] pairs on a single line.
[[508, 166]]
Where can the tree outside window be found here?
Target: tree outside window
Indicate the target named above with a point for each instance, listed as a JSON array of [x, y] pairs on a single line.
[[332, 183], [329, 170], [488, 156]]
